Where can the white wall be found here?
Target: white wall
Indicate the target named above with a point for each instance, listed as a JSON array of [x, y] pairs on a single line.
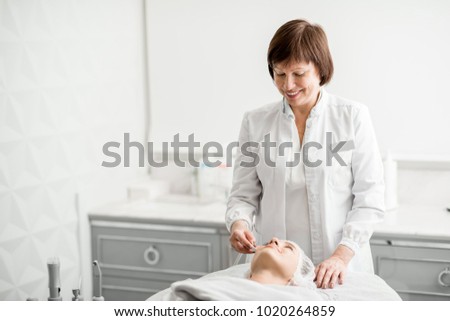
[[208, 65], [71, 79]]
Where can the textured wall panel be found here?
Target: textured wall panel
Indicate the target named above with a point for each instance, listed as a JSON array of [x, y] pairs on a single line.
[[71, 79]]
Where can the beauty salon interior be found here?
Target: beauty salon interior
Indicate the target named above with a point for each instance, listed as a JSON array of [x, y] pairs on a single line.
[[204, 150]]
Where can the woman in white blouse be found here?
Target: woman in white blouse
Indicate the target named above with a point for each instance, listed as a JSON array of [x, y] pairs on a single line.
[[308, 167]]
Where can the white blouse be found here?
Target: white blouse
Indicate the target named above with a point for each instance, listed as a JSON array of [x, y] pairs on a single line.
[[343, 201], [297, 213]]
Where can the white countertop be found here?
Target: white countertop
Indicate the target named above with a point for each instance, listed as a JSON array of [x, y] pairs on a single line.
[[421, 221], [164, 211]]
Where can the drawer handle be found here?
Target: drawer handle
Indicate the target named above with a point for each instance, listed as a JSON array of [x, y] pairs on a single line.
[[151, 255], [441, 277]]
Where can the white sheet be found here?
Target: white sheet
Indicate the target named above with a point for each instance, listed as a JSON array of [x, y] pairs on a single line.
[[232, 285]]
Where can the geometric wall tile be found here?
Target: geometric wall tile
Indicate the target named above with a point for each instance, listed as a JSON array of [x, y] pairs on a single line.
[[8, 25], [38, 117], [11, 120], [70, 80], [6, 270]]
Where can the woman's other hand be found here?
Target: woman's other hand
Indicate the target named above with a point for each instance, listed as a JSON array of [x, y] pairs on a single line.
[[241, 238], [333, 269]]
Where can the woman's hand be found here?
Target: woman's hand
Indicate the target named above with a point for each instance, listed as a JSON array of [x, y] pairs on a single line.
[[333, 269], [241, 238]]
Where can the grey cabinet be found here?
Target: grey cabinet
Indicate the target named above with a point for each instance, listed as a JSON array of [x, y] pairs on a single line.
[[139, 259], [417, 268]]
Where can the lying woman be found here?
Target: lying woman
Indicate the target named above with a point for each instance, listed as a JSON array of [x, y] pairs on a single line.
[[280, 262], [279, 271]]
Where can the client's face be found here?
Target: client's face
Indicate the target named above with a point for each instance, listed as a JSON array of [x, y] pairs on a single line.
[[280, 257]]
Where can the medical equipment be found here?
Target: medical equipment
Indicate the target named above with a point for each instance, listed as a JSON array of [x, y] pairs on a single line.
[[54, 281], [97, 282], [77, 295], [77, 292]]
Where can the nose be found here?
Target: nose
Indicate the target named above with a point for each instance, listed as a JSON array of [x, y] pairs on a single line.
[[289, 83], [275, 240]]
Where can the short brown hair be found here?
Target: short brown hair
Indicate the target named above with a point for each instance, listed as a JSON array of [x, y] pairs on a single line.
[[300, 41]]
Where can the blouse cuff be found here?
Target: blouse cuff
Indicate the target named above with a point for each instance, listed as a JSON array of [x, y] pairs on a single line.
[[351, 244], [239, 214]]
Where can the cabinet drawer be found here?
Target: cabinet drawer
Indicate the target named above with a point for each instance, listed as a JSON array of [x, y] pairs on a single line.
[[164, 277], [130, 289], [124, 294], [153, 248], [414, 271]]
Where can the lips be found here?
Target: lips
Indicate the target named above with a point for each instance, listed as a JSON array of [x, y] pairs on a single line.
[[293, 94]]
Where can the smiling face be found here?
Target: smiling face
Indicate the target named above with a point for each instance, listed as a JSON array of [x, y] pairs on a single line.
[[280, 257], [298, 82]]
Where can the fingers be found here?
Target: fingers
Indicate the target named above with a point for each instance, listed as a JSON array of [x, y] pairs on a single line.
[[323, 277], [334, 279], [320, 273], [247, 240], [341, 277], [251, 239], [328, 273], [242, 241], [326, 279], [240, 248]]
